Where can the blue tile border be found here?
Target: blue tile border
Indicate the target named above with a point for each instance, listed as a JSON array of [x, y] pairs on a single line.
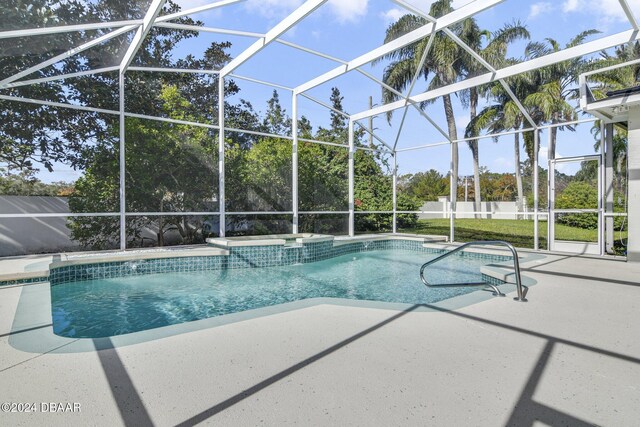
[[28, 281], [238, 257]]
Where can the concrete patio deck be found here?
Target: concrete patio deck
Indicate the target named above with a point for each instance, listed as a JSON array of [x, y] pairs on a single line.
[[569, 356]]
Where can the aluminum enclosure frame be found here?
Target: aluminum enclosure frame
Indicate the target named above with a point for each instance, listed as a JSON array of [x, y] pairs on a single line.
[[152, 18]]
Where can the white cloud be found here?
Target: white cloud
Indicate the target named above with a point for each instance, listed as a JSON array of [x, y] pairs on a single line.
[[608, 11], [342, 10], [272, 9], [570, 5], [539, 8], [348, 10], [462, 121], [503, 163], [392, 15], [543, 159]]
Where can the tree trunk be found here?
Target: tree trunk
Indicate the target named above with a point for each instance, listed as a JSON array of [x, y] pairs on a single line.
[[477, 205], [453, 135], [516, 150], [552, 142], [473, 107], [161, 225]]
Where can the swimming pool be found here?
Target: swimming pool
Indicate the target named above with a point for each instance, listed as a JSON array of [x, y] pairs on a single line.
[[121, 305]]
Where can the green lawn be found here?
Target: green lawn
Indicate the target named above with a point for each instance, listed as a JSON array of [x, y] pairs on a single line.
[[518, 232]]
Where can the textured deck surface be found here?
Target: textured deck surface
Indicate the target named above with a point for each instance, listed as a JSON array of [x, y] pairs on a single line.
[[569, 356]]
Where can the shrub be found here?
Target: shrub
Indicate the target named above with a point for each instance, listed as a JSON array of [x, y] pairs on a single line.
[[578, 195]]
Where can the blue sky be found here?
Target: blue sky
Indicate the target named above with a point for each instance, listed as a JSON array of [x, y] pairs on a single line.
[[348, 28]]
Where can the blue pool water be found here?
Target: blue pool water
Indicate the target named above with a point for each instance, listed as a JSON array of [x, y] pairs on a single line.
[[100, 308]]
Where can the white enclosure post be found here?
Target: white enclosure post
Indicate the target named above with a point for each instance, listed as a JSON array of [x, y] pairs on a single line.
[[123, 205], [395, 192], [453, 195], [602, 195], [536, 199], [633, 186], [294, 162], [352, 215], [606, 144], [551, 174], [221, 147]]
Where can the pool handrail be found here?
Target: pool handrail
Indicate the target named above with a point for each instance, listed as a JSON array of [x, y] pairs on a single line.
[[522, 290]]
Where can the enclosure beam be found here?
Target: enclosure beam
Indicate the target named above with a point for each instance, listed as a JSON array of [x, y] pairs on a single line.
[[513, 70], [283, 26], [169, 120], [138, 39], [67, 29], [453, 195], [297, 47], [141, 33], [67, 54], [471, 52], [196, 28], [172, 70], [352, 152], [606, 144], [122, 170], [452, 18], [629, 13], [198, 9], [474, 54], [413, 104], [536, 199], [550, 194], [414, 80], [294, 162], [221, 153], [395, 193], [344, 114], [61, 77]]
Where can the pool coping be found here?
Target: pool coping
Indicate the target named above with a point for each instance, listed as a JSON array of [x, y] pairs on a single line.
[[32, 329], [206, 250], [59, 262]]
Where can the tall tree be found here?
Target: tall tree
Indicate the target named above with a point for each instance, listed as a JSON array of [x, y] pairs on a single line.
[[276, 120], [442, 66], [503, 114], [554, 86], [39, 136], [492, 47]]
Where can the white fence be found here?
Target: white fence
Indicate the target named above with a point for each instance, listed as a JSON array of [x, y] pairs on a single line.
[[490, 210]]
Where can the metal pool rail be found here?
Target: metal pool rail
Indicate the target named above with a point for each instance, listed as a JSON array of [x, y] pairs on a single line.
[[522, 290]]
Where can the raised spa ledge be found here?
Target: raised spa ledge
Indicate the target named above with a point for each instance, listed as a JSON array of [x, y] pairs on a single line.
[[269, 240], [66, 259], [344, 240], [504, 273], [24, 269], [490, 250]]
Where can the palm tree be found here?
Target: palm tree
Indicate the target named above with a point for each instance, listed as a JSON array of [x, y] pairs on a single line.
[[619, 78], [549, 103], [442, 66], [504, 114], [545, 94], [616, 79], [492, 47]]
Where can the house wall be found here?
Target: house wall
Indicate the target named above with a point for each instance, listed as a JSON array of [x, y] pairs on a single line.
[[633, 212], [22, 236]]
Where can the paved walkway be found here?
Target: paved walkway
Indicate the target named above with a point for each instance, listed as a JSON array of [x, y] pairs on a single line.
[[569, 356]]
